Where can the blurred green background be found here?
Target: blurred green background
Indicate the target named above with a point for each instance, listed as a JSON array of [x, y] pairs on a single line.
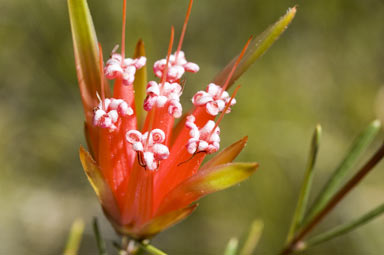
[[327, 68]]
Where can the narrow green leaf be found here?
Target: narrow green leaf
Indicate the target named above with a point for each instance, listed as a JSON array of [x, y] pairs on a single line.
[[227, 155], [253, 238], [257, 48], [99, 239], [86, 52], [345, 228], [151, 249], [205, 182], [75, 236], [232, 246], [306, 184], [359, 146], [140, 85]]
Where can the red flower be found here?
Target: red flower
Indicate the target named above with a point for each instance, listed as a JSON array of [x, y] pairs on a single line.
[[147, 173]]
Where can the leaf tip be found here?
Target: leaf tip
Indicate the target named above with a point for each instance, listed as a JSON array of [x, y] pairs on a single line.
[[253, 166], [376, 123]]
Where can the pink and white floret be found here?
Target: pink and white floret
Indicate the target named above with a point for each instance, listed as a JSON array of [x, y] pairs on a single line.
[[214, 99], [162, 94], [204, 139], [109, 111], [150, 149], [115, 67], [177, 66]]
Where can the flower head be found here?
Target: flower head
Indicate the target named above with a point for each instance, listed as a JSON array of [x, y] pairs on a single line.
[[147, 177], [126, 68], [176, 67]]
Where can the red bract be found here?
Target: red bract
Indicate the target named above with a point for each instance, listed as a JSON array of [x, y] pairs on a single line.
[[148, 174]]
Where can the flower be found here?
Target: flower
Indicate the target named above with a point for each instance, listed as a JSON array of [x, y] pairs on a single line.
[[148, 174]]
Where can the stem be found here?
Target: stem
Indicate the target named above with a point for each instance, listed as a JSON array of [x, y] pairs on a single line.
[[335, 200], [151, 249], [99, 240]]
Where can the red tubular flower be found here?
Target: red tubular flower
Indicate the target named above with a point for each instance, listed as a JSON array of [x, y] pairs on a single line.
[[148, 176]]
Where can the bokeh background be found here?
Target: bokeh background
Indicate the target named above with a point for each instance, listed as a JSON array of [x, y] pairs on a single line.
[[327, 68]]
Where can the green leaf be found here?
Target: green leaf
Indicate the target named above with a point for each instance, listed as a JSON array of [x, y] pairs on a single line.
[[306, 185], [253, 238], [75, 236], [98, 183], [99, 239], [345, 228], [257, 48], [335, 181], [205, 182], [86, 52], [140, 85], [227, 155], [232, 246]]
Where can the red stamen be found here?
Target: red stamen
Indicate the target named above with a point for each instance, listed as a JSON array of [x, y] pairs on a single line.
[[123, 32], [165, 72], [184, 28], [102, 76], [235, 66], [225, 109]]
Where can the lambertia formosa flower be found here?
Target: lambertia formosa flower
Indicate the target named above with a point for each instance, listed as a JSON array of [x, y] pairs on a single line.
[[146, 170]]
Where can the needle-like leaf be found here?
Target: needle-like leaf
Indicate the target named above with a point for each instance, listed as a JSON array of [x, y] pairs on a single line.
[[256, 49], [253, 238], [232, 246], [74, 239], [306, 184], [335, 181], [345, 228], [99, 239], [297, 241]]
